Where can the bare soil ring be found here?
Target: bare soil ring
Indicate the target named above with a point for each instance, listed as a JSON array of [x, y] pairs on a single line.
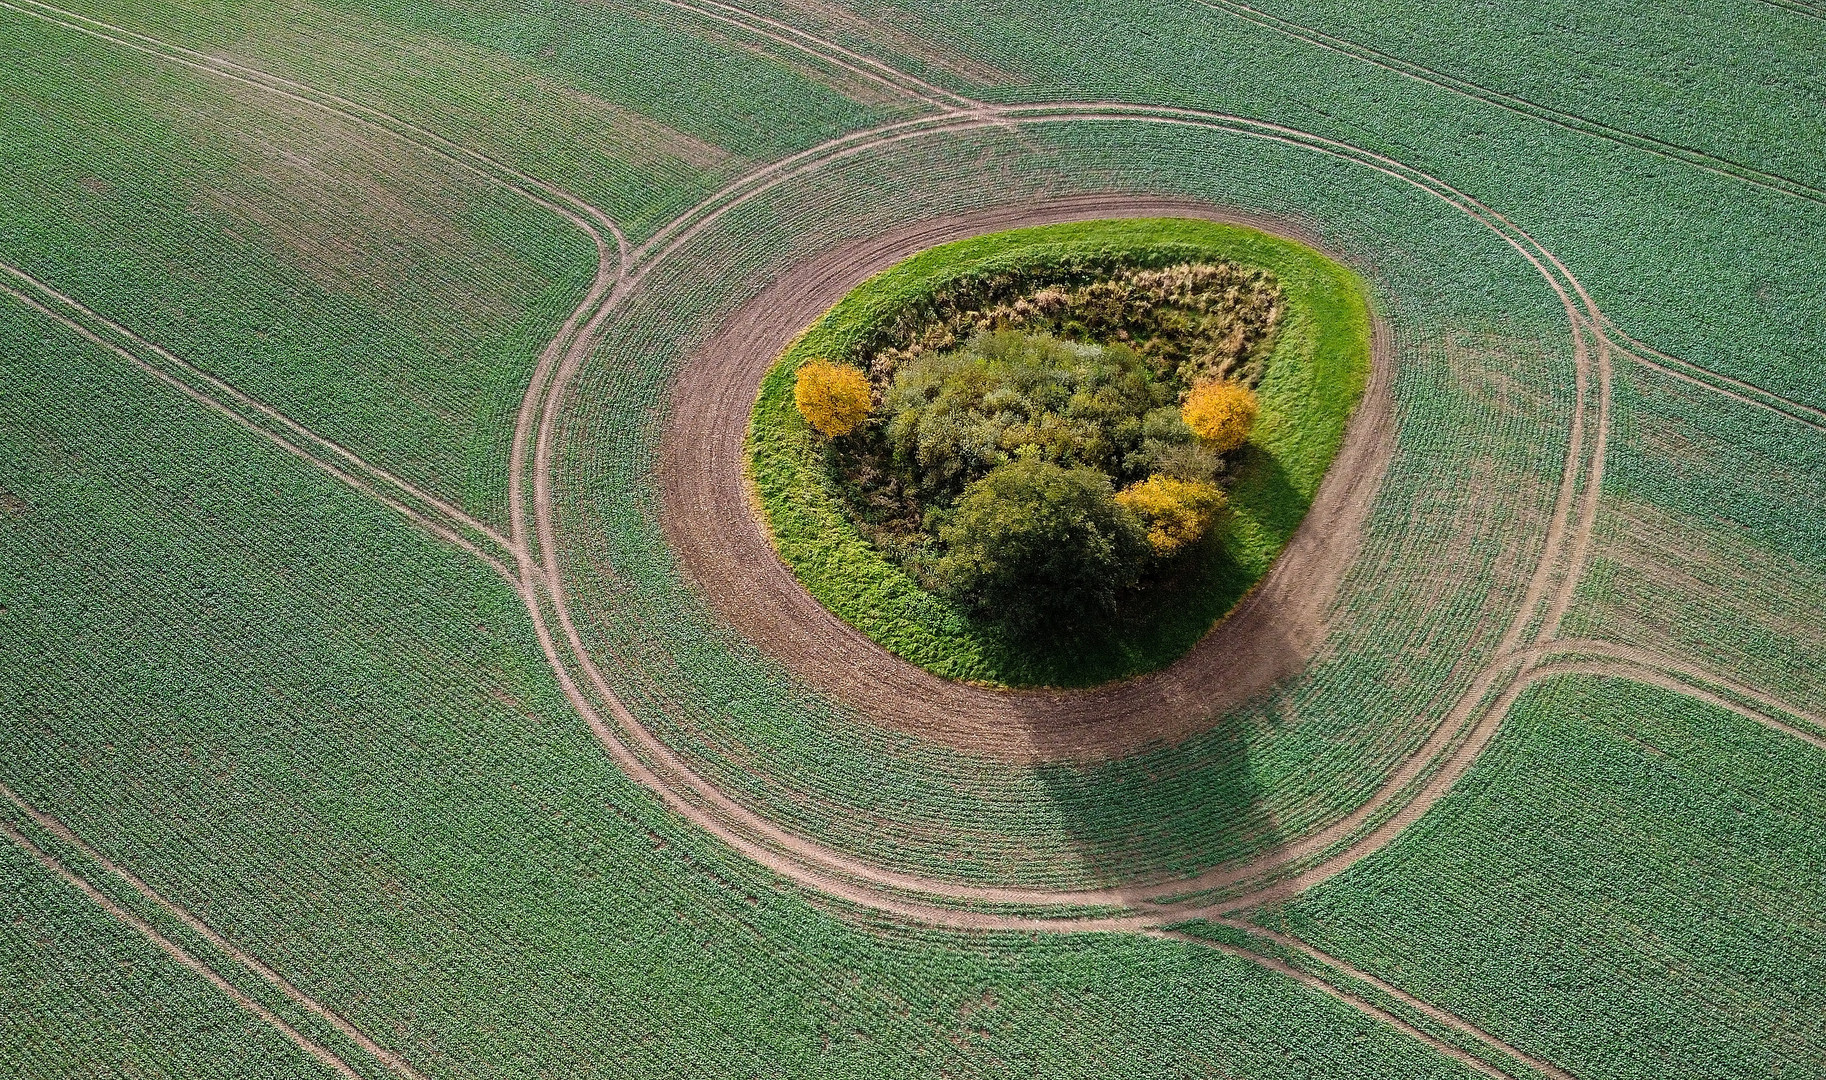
[[731, 716], [710, 520]]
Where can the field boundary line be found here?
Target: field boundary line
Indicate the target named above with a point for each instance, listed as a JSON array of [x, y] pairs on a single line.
[[446, 531], [838, 56], [1368, 1008], [252, 964], [1672, 151]]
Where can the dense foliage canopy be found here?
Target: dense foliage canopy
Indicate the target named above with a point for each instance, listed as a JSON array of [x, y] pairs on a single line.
[[1036, 446]]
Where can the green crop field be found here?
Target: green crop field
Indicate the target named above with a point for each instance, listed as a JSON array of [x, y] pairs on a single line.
[[399, 676]]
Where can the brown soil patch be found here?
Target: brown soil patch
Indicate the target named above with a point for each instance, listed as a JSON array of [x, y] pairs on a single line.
[[711, 522]]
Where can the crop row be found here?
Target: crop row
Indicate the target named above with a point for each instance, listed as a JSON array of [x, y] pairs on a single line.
[[1629, 880], [337, 743]]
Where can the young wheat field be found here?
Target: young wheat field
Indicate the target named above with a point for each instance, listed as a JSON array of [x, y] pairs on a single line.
[[439, 640]]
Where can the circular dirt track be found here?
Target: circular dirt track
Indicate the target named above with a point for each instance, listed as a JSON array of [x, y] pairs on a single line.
[[713, 524]]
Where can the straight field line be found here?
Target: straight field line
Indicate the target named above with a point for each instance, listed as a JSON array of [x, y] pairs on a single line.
[[1749, 393], [1796, 7], [197, 926], [1712, 163], [824, 50], [1364, 1005], [176, 952], [370, 483]]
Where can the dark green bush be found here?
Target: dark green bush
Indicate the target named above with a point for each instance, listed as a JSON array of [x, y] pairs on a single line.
[[1038, 545]]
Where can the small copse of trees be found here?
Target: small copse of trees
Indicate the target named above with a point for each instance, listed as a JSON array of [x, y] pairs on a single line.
[[1035, 475]]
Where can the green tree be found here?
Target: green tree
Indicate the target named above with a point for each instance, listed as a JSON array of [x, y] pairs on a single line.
[[1034, 544]]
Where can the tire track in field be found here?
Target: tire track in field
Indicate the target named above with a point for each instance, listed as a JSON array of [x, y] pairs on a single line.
[[826, 51], [197, 926], [1737, 389], [606, 237], [780, 849], [316, 1050], [1699, 682], [1712, 163], [784, 851], [424, 509], [382, 487], [1795, 7], [1487, 719], [1348, 971], [1368, 1008], [593, 222]]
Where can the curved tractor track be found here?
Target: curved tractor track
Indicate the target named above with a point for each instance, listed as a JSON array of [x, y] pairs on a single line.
[[1414, 786], [727, 554], [1530, 650], [817, 866]]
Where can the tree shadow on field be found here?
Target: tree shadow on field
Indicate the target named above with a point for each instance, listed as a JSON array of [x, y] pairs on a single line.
[[1161, 776], [1167, 811], [1165, 617]]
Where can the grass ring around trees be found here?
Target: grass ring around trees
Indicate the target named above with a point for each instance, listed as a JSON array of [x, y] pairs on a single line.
[[1323, 397], [1313, 378]]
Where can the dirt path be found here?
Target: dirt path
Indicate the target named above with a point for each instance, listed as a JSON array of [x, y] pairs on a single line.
[[725, 550]]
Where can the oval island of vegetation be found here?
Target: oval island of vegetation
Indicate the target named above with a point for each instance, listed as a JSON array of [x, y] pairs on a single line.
[[1058, 456]]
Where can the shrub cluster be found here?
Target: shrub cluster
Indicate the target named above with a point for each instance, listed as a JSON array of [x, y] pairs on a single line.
[[1040, 455], [1194, 321]]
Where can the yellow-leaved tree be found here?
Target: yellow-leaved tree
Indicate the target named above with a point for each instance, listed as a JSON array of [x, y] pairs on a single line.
[[1176, 512], [833, 398], [1221, 413]]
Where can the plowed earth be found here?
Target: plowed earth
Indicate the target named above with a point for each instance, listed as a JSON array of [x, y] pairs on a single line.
[[713, 523]]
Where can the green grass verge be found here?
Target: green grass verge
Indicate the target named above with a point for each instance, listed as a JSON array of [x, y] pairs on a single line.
[[1315, 376]]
